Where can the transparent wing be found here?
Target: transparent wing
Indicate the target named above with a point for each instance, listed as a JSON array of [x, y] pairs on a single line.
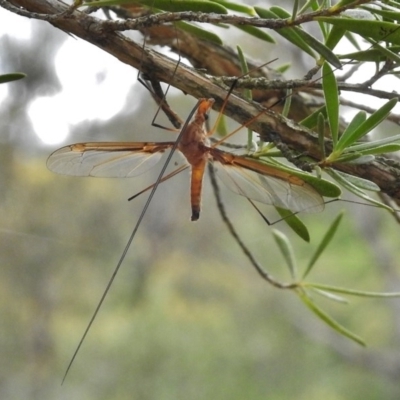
[[108, 159], [269, 189]]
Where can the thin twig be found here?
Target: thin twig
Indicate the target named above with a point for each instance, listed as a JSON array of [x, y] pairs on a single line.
[[265, 275], [268, 84]]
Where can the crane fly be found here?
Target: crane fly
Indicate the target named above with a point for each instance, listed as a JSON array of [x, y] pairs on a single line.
[[243, 175]]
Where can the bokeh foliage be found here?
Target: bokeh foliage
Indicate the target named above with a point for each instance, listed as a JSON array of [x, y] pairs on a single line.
[[187, 317]]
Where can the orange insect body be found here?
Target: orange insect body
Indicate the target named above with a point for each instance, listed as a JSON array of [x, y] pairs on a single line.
[[194, 146], [243, 175]]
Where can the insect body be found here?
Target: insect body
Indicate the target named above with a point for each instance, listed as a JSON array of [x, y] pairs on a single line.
[[243, 175]]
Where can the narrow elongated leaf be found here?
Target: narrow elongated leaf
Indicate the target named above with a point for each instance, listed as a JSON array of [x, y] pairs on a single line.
[[360, 182], [237, 7], [287, 251], [329, 320], [288, 102], [331, 95], [11, 77], [334, 37], [199, 32], [372, 55], [288, 33], [283, 68], [315, 44], [353, 40], [256, 32], [358, 120], [389, 15], [374, 144], [352, 292], [378, 30], [375, 119], [247, 92], [361, 159], [324, 243], [295, 223], [388, 54], [386, 148], [330, 296], [320, 48], [321, 134], [354, 189], [295, 9], [312, 120], [344, 158], [245, 70], [322, 186]]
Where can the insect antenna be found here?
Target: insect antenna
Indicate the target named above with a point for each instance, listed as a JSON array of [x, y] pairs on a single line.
[[131, 237]]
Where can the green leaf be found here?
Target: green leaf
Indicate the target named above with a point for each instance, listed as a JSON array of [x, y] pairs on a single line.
[[283, 68], [245, 70], [315, 44], [256, 32], [295, 9], [222, 128], [353, 40], [387, 148], [363, 184], [247, 92], [388, 54], [294, 222], [375, 119], [237, 7], [329, 295], [358, 120], [327, 319], [15, 76], [320, 48], [321, 134], [352, 292], [371, 55], [288, 33], [391, 15], [322, 186], [199, 32], [378, 30], [312, 120], [360, 159], [334, 37], [350, 157], [288, 102], [354, 189], [331, 95], [287, 251], [324, 243], [366, 146], [167, 5]]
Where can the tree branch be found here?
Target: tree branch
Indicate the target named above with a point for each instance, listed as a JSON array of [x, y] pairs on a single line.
[[270, 126]]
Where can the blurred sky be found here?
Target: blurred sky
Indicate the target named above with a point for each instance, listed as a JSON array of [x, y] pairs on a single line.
[[81, 68]]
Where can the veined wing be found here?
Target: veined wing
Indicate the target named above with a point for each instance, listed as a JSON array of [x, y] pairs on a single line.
[[107, 159], [266, 184]]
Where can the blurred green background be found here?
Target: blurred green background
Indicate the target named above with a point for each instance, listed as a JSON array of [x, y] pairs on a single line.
[[187, 316]]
